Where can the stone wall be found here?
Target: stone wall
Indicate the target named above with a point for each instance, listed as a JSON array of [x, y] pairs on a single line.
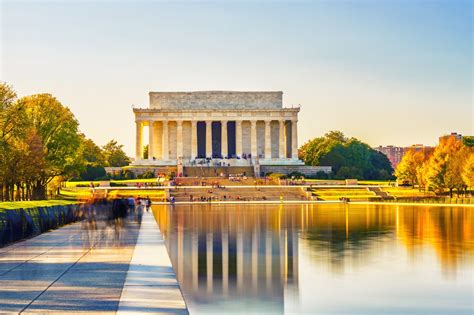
[[216, 100], [17, 224], [287, 169], [154, 169]]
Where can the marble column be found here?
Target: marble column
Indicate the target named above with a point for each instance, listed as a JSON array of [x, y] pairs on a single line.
[[209, 261], [268, 258], [151, 139], [208, 138], [224, 138], [282, 144], [179, 139], [294, 139], [238, 138], [225, 261], [193, 139], [253, 139], [194, 259], [164, 146], [138, 142], [268, 140]]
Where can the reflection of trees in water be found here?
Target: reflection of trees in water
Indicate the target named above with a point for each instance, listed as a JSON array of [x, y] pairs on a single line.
[[336, 233], [449, 231]]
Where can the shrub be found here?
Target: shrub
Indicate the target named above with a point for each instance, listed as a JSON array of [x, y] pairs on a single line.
[[147, 174], [321, 175], [276, 176], [128, 174], [112, 184], [295, 175]]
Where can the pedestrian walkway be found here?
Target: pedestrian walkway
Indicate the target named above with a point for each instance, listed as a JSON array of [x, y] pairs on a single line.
[[151, 285], [80, 268]]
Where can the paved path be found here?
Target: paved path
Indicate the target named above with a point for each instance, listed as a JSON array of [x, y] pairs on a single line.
[[80, 268], [151, 285]]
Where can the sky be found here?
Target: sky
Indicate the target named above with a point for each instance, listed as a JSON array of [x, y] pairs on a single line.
[[386, 72]]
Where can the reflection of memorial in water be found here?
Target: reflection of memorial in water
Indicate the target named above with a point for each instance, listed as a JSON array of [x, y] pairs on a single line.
[[231, 253]]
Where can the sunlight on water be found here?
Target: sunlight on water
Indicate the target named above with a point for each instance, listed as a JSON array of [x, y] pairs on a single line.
[[321, 258]]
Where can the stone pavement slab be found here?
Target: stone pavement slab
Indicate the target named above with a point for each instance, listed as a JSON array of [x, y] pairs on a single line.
[[151, 285]]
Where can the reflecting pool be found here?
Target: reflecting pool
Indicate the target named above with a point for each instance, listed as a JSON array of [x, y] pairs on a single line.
[[321, 259]]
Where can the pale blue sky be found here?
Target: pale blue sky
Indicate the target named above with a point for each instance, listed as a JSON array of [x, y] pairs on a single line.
[[387, 72]]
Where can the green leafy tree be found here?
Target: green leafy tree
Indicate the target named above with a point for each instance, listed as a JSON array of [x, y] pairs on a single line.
[[56, 127], [468, 141], [145, 152], [91, 153], [114, 154], [13, 132], [356, 158]]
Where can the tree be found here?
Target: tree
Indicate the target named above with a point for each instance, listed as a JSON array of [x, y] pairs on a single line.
[[90, 152], [468, 141], [13, 131], [56, 127], [338, 151], [145, 152], [439, 172], [114, 154], [467, 172], [312, 151], [407, 169]]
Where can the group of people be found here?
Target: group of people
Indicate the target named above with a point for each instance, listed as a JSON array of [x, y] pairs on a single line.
[[223, 198]]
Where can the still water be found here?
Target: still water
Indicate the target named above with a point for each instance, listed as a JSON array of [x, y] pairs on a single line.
[[321, 259]]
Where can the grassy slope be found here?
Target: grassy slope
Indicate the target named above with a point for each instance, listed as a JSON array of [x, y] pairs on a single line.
[[9, 205], [339, 192], [145, 180], [84, 193]]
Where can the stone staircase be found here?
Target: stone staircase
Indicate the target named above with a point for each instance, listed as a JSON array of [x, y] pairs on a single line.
[[382, 194], [239, 193], [215, 171]]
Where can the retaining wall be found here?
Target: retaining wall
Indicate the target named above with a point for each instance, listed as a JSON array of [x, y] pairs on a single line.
[[306, 170], [21, 223]]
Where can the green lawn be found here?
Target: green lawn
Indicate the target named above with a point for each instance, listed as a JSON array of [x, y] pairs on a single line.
[[374, 182], [401, 192], [359, 182], [96, 182], [11, 205], [85, 193], [337, 193], [152, 193]]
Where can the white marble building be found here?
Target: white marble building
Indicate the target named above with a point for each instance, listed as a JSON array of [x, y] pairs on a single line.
[[236, 127]]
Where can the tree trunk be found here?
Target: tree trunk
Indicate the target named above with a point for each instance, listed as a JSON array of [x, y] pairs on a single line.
[[39, 191], [450, 193]]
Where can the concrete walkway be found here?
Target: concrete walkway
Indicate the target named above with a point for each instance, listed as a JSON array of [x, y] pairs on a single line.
[[80, 268], [151, 285]]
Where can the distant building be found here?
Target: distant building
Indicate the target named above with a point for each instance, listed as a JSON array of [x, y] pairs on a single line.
[[393, 153], [453, 135]]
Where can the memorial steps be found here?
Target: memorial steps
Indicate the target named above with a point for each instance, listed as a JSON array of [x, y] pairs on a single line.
[[215, 171], [239, 193]]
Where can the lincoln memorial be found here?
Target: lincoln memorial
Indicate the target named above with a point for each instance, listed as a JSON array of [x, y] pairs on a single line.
[[237, 128]]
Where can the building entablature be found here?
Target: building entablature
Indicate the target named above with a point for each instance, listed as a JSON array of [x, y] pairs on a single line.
[[203, 115]]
